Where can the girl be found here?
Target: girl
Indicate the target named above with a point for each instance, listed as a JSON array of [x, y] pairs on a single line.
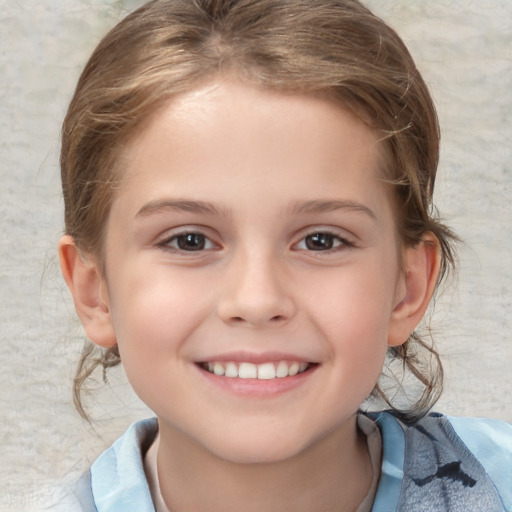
[[249, 228]]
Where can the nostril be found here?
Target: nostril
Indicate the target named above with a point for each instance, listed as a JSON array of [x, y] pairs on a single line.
[[274, 319]]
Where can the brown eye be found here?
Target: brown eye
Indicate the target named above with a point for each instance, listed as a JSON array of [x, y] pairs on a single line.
[[321, 241], [188, 242], [191, 242]]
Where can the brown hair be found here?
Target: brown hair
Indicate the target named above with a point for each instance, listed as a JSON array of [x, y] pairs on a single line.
[[337, 48]]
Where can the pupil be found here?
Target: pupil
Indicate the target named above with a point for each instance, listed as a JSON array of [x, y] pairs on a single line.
[[191, 242], [319, 241]]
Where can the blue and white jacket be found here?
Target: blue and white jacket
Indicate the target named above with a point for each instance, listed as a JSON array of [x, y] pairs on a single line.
[[439, 464]]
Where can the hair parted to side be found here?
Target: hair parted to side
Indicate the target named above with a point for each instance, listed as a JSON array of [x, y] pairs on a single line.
[[336, 48]]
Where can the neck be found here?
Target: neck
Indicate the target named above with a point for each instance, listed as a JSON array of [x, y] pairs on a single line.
[[334, 474]]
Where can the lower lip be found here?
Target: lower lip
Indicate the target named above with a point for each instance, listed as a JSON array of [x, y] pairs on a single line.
[[258, 387]]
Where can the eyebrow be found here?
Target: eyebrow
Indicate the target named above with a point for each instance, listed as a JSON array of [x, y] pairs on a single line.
[[320, 206], [159, 206], [207, 208]]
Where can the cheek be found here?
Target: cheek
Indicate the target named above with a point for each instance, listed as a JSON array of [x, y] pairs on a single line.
[[153, 316], [354, 316], [360, 298], [154, 312]]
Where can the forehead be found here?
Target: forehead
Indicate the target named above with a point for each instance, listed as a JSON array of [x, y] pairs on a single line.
[[228, 136]]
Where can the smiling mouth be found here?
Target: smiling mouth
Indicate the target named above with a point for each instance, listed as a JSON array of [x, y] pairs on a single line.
[[265, 371]]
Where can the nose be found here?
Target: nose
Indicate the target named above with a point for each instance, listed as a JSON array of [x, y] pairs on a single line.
[[256, 292]]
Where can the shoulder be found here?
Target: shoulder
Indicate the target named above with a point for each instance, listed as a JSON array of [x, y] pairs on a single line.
[[116, 481], [490, 442], [449, 464]]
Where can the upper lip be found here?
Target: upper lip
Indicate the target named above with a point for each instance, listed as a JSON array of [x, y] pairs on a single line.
[[255, 358]]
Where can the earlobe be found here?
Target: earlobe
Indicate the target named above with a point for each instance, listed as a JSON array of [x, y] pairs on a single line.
[[417, 286], [88, 288]]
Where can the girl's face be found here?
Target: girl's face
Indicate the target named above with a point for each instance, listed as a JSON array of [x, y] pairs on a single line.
[[251, 236]]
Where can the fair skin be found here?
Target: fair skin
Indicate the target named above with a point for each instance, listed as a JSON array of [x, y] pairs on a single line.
[[251, 232]]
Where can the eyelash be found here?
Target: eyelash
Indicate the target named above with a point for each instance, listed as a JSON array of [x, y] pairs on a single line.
[[340, 242], [167, 243], [334, 240]]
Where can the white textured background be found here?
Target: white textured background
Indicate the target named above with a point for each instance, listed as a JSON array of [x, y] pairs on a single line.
[[464, 49]]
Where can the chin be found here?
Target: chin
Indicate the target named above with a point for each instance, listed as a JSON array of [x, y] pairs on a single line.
[[256, 448]]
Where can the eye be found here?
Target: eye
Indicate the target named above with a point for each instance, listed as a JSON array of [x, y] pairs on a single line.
[[323, 241], [190, 242]]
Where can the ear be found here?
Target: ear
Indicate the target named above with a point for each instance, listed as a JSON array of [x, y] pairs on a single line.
[[89, 291], [415, 289]]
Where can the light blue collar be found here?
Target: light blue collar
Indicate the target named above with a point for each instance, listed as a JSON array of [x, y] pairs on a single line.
[[117, 477], [126, 488], [393, 449]]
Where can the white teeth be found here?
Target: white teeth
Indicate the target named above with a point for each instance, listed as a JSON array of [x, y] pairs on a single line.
[[218, 369], [294, 369], [248, 371], [231, 370], [265, 371], [282, 369]]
